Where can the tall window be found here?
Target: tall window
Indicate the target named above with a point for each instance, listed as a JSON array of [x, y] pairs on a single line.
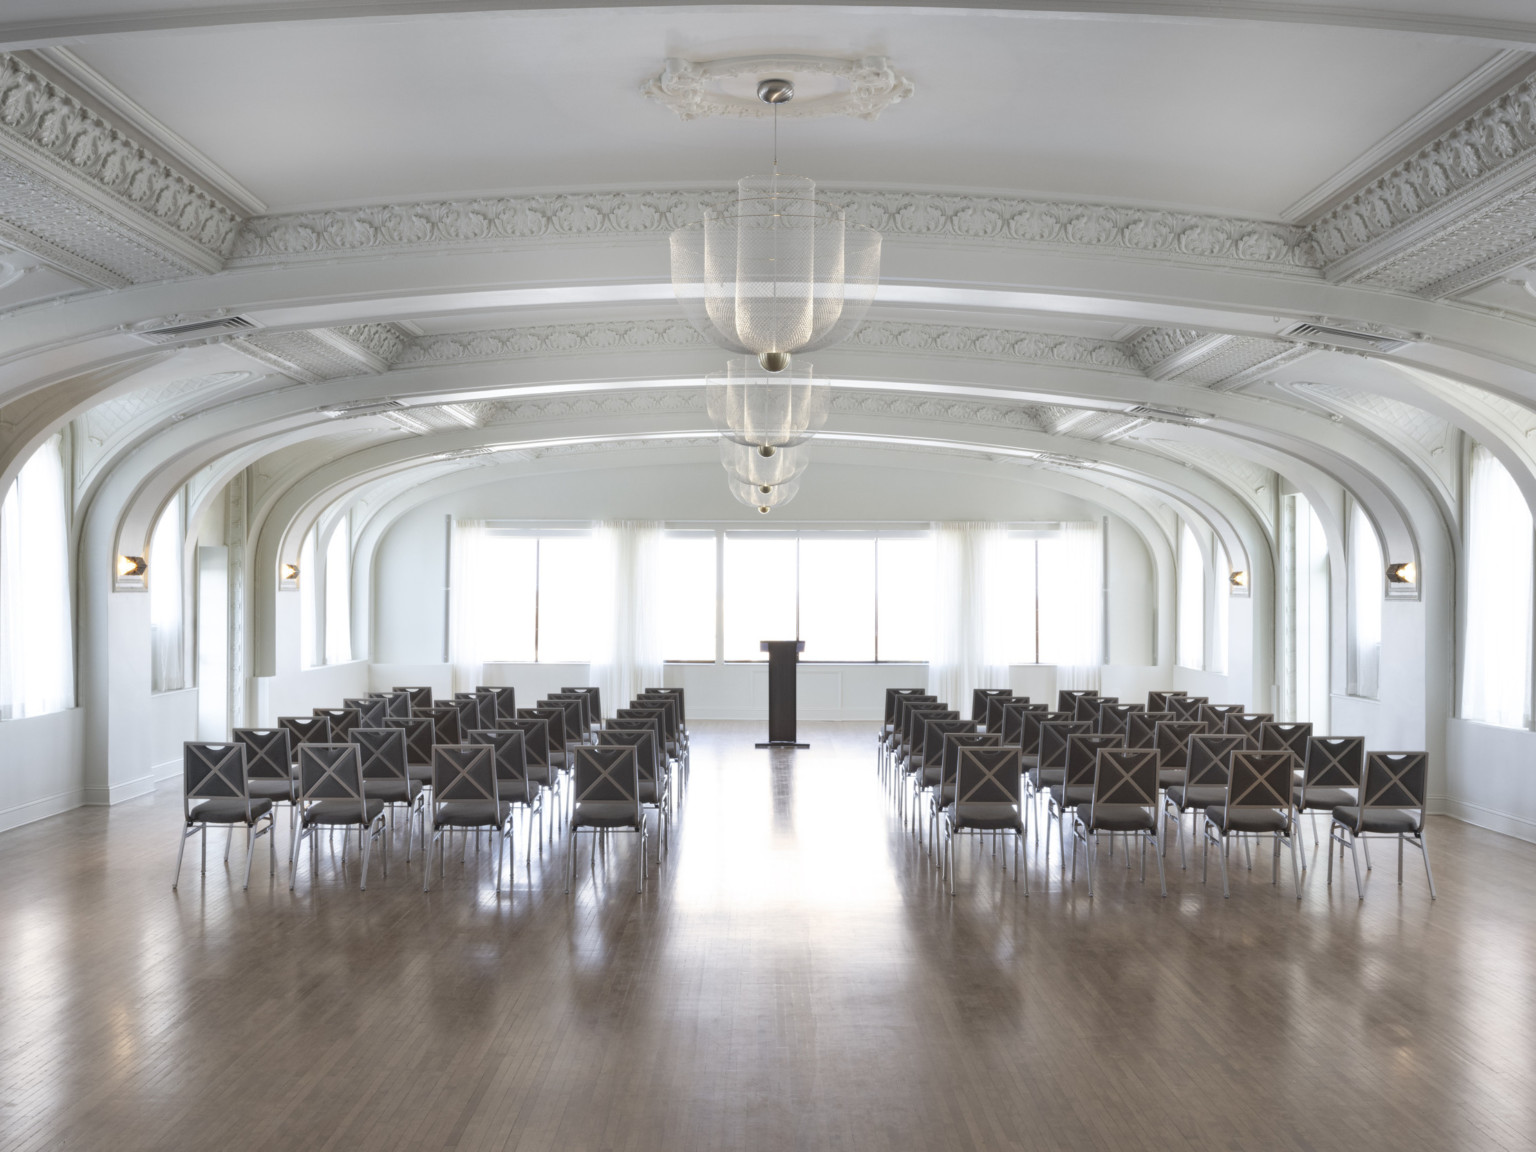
[[338, 594], [1496, 677], [1367, 574], [309, 600], [1191, 637], [761, 591], [688, 596], [36, 641], [526, 596], [904, 597], [1304, 602], [167, 601]]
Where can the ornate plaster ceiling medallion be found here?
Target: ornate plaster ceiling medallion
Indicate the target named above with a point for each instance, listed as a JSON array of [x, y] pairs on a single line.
[[862, 87]]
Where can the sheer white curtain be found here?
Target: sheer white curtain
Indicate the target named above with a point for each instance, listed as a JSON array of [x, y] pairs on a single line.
[[1072, 566], [1191, 577], [167, 613], [36, 638], [469, 587], [309, 598], [338, 594], [628, 625], [962, 658], [1496, 681], [1367, 576]]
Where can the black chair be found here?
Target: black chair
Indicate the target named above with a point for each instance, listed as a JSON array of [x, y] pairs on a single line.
[[1115, 718], [1249, 724], [942, 794], [988, 798], [386, 774], [1087, 707], [996, 707], [331, 796], [980, 697], [1124, 800], [1207, 768], [1331, 773], [1257, 803], [1391, 804], [464, 796], [595, 698], [606, 798], [1076, 785], [1013, 721], [371, 710], [305, 730], [343, 720], [1159, 701], [215, 794], [419, 697], [506, 701], [1141, 728], [542, 769], [655, 779], [1171, 739], [475, 711], [1215, 715], [269, 768], [1187, 707], [1067, 698], [448, 722], [397, 704], [419, 738], [514, 784]]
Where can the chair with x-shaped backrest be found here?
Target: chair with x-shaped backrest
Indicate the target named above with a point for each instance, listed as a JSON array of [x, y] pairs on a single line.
[[1051, 764], [996, 706], [486, 697], [942, 794], [1331, 770], [595, 699], [419, 738], [447, 727], [1187, 707], [331, 796], [514, 785], [420, 697], [989, 797], [1116, 718], [1171, 739], [891, 741], [912, 721], [370, 710], [1258, 803], [1288, 736], [1215, 715], [1207, 766], [579, 719], [558, 744], [606, 798], [1159, 701], [506, 701], [1087, 707], [655, 778], [1076, 785], [343, 720], [980, 698], [1066, 698], [475, 711], [671, 725], [1012, 731], [1391, 804], [269, 768], [464, 796], [305, 730], [1124, 800], [387, 775], [1141, 728], [215, 792], [1249, 724], [397, 705]]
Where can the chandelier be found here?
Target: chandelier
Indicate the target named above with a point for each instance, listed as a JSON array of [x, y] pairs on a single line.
[[767, 275]]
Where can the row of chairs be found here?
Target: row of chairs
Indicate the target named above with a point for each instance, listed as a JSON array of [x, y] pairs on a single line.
[[466, 764], [1246, 773]]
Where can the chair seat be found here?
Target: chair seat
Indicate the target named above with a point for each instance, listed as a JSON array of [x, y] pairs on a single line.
[[985, 816], [282, 790], [419, 772], [649, 792], [1045, 777], [470, 814], [1170, 777], [1388, 821], [1248, 819], [1198, 795], [1029, 762], [392, 790], [930, 777], [1118, 818], [1326, 798], [605, 814], [517, 791], [1073, 796], [343, 812], [228, 811]]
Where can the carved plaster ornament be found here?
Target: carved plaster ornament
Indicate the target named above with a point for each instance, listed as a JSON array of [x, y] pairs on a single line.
[[862, 87]]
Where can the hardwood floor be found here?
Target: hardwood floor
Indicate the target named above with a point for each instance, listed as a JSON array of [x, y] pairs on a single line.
[[793, 978]]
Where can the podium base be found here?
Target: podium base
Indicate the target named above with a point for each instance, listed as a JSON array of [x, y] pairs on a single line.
[[781, 744]]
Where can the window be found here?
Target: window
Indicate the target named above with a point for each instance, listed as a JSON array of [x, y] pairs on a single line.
[[338, 594], [761, 586], [309, 595], [688, 596], [36, 638], [167, 600], [524, 597], [1013, 630], [1496, 676], [566, 600], [1367, 572], [1191, 637], [1304, 602], [904, 597], [837, 597]]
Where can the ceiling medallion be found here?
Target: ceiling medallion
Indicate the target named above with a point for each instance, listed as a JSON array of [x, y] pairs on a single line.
[[862, 87]]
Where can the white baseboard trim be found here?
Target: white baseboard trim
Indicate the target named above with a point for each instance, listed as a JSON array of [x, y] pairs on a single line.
[[117, 793], [1490, 818], [35, 810], [166, 772]]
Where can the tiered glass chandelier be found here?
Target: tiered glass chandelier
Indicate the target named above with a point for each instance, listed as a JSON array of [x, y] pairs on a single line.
[[771, 274]]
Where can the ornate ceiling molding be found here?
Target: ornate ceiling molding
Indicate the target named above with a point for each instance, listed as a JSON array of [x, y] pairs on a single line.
[[548, 340], [1457, 212], [691, 87], [495, 222], [94, 198], [312, 355], [993, 344], [1155, 348]]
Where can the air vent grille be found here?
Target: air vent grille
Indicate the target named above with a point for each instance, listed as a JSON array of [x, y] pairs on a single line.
[[1064, 461], [174, 332], [358, 408], [1343, 338], [1168, 415]]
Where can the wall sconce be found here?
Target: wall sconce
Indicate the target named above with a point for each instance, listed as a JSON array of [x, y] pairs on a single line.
[[1239, 579], [131, 566], [1403, 573], [291, 572]]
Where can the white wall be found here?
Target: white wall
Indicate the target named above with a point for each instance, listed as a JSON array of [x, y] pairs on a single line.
[[42, 766], [1490, 777], [294, 691], [172, 721]]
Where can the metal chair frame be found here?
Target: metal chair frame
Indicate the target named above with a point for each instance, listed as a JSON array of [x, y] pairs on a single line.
[[217, 771], [465, 773], [333, 772], [1261, 781], [605, 775], [986, 776], [1122, 777], [1394, 781]]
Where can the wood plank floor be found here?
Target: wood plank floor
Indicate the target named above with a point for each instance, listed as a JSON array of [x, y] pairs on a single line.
[[792, 979]]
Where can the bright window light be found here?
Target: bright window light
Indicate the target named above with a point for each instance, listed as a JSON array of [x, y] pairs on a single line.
[[688, 595], [760, 601], [905, 597], [566, 599], [837, 597]]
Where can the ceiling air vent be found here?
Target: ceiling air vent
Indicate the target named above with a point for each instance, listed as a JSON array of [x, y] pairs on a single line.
[[1168, 415], [358, 408], [1343, 338], [1064, 461], [176, 332]]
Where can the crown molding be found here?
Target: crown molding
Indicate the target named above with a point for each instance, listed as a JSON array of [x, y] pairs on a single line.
[[499, 221], [683, 86], [311, 356], [1456, 213], [95, 196]]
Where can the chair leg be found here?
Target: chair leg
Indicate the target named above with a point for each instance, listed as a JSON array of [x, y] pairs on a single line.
[[1221, 858], [229, 839], [1295, 858], [1274, 871], [1428, 875], [1354, 854], [426, 859], [366, 836], [1366, 844], [180, 852], [293, 860], [250, 850], [1328, 852], [1091, 844], [1178, 831], [1162, 878], [570, 859], [1399, 859]]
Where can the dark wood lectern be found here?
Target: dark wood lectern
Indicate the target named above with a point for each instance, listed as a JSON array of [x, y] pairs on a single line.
[[783, 657]]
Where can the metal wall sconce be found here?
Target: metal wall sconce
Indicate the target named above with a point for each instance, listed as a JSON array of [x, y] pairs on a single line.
[[131, 566], [1403, 573], [1239, 579], [291, 573]]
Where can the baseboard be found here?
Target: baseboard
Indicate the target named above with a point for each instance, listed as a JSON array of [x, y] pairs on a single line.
[[35, 810], [117, 793], [166, 772], [1490, 818]]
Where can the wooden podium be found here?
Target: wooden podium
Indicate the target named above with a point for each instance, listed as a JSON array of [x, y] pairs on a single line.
[[783, 658]]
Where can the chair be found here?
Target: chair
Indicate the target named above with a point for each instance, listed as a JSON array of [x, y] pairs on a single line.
[[1066, 699], [655, 780], [942, 793], [1187, 707], [1171, 739], [464, 796], [578, 713], [269, 768], [448, 722], [541, 767], [1291, 736], [606, 798], [482, 715], [1115, 718], [1123, 799], [1013, 721], [386, 773], [1076, 786], [899, 702], [682, 711], [514, 785], [913, 719], [1029, 735], [993, 721], [1141, 728], [595, 696], [554, 719], [1051, 764], [371, 710], [506, 701], [1249, 724], [419, 697], [988, 798], [671, 726], [1215, 715], [923, 765], [343, 720], [1257, 803], [397, 705], [1205, 779], [980, 697], [215, 793], [1159, 701], [1331, 773], [305, 730], [1087, 707], [331, 796], [418, 745], [1391, 803]]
